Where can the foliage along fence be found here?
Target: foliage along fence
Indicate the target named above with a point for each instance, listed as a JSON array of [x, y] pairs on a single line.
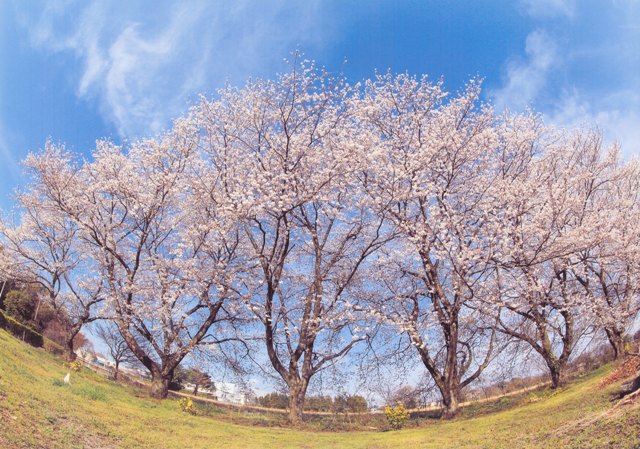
[[420, 410], [36, 339], [27, 334]]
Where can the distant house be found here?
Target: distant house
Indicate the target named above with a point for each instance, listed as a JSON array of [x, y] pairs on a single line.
[[233, 393], [135, 372], [223, 392], [189, 387], [100, 361], [95, 359]]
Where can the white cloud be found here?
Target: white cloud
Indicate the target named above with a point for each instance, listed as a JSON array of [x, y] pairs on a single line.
[[549, 8], [9, 166], [618, 117], [580, 68], [525, 78], [5, 153], [143, 65]]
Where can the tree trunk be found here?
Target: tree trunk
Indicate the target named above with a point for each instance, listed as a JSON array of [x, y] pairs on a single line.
[[616, 339], [69, 354], [160, 385], [633, 385], [451, 404], [115, 372], [297, 393], [557, 376], [195, 390]]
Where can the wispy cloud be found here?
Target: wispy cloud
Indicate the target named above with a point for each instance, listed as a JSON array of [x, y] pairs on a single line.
[[549, 8], [143, 66], [618, 117], [9, 166], [8, 163], [526, 77], [580, 67]]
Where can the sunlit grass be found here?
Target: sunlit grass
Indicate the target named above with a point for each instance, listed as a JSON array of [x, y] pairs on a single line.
[[37, 409]]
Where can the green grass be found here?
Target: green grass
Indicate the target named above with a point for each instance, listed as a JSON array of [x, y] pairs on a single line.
[[38, 410]]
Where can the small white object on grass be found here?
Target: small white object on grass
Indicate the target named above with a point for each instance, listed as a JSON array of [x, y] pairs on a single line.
[[67, 378]]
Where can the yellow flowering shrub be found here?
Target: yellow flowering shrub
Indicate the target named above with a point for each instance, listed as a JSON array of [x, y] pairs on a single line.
[[186, 405], [75, 366], [397, 416]]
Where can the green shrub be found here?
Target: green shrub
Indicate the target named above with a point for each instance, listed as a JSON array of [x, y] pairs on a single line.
[[397, 416], [19, 330], [53, 347], [19, 305]]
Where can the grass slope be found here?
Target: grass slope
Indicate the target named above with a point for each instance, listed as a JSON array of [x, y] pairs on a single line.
[[37, 410]]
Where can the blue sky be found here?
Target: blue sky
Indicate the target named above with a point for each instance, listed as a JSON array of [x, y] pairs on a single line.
[[76, 71]]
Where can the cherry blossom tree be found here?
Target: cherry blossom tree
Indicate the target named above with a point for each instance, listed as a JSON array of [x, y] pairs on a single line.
[[434, 167], [166, 259], [609, 271], [551, 223], [288, 152], [43, 248]]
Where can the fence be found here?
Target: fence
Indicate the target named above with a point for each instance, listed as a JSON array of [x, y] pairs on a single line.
[[257, 408]]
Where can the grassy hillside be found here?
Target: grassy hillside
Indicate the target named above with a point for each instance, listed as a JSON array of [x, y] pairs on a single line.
[[37, 410]]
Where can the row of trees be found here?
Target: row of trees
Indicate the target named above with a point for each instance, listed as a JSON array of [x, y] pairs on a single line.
[[314, 216], [321, 403]]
